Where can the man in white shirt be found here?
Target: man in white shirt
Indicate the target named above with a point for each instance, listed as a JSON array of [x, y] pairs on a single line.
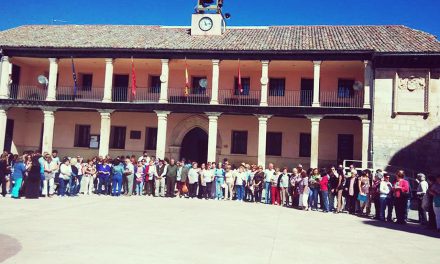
[[421, 192], [268, 175], [144, 157]]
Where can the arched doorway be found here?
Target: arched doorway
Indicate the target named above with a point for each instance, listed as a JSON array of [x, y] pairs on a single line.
[[195, 145]]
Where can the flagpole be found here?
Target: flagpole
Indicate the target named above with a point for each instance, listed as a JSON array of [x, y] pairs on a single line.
[[74, 79]]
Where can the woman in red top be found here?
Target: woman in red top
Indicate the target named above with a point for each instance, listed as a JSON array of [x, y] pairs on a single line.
[[324, 190], [400, 192]]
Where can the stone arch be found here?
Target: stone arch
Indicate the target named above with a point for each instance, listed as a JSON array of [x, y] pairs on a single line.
[[186, 125]]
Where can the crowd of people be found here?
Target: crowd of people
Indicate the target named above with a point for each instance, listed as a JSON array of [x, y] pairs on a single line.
[[336, 189]]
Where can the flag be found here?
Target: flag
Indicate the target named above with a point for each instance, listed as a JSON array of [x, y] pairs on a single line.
[[133, 79], [186, 90], [75, 82], [240, 86]]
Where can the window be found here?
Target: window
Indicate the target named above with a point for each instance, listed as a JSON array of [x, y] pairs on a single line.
[[134, 134], [155, 84], [196, 88], [117, 137], [150, 138], [82, 136], [277, 87], [239, 142], [85, 82], [345, 88], [305, 141], [245, 85], [274, 141]]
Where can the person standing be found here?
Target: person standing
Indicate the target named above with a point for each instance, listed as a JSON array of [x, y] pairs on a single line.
[[65, 175], [333, 184], [118, 171], [303, 189], [33, 181], [323, 186], [103, 176], [422, 189], [129, 173], [340, 190], [89, 173], [3, 172], [385, 194], [434, 191], [17, 177], [284, 185], [159, 183], [171, 177], [50, 168], [229, 183], [351, 190], [193, 178], [400, 193], [139, 176], [240, 177], [152, 175], [219, 175], [364, 193], [258, 184], [208, 177], [268, 175], [274, 192], [315, 177]]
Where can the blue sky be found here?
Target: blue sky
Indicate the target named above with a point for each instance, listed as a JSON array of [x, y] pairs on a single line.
[[419, 14]]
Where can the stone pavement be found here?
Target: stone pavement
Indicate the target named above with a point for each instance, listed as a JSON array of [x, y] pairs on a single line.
[[157, 230]]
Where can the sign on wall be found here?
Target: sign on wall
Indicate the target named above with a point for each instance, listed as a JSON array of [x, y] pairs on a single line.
[[94, 142]]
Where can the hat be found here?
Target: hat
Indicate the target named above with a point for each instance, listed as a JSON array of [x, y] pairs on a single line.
[[421, 176], [379, 175]]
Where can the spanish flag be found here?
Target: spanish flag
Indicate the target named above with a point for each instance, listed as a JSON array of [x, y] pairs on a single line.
[[186, 90], [133, 80]]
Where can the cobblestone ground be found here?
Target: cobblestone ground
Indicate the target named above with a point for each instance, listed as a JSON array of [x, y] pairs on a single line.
[[157, 230]]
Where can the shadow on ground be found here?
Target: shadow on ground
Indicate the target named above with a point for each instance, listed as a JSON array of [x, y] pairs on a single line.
[[409, 228], [9, 247]]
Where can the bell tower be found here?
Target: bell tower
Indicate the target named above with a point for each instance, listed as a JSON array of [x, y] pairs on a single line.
[[208, 18]]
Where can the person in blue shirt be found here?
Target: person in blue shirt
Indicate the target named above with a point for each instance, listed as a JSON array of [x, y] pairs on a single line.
[[17, 177], [118, 171], [103, 176]]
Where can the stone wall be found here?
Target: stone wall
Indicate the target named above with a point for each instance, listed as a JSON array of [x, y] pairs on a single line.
[[408, 139]]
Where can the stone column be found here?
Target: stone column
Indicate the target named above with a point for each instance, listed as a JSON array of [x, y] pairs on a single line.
[[4, 77], [53, 75], [262, 131], [264, 81], [162, 119], [314, 148], [104, 138], [3, 122], [215, 81], [367, 83], [48, 126], [365, 142], [164, 81], [108, 81], [212, 136], [316, 77]]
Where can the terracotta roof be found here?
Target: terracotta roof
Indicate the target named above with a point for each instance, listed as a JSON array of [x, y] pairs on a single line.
[[392, 39]]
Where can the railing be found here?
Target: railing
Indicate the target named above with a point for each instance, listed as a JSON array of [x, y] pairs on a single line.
[[290, 98], [145, 95], [28, 92], [230, 97], [65, 93], [193, 96], [336, 99]]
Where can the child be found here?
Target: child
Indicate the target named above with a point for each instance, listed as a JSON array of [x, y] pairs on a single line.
[[140, 173]]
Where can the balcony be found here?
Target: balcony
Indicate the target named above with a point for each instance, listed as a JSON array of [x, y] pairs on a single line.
[[231, 97], [28, 92], [193, 96]]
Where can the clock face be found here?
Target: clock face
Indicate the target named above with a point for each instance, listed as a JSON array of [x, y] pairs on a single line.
[[205, 23]]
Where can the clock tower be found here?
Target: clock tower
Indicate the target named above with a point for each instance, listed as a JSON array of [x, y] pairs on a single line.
[[208, 19]]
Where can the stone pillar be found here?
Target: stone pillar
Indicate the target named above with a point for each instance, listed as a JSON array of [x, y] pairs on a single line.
[[108, 81], [164, 81], [3, 122], [212, 136], [316, 77], [264, 81], [53, 75], [215, 81], [162, 119], [48, 126], [314, 148], [262, 131], [4, 77], [365, 142], [104, 138], [367, 83]]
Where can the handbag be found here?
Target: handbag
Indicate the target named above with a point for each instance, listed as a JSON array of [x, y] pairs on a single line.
[[425, 202], [184, 188], [362, 198]]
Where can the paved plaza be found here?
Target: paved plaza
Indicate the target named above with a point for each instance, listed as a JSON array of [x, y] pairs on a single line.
[[157, 230]]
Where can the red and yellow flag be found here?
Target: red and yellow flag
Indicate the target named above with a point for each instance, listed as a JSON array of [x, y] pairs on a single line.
[[186, 90], [133, 79], [240, 86]]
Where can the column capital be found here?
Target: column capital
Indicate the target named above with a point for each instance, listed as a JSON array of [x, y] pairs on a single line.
[[366, 122], [213, 114], [4, 108], [315, 118], [317, 63], [105, 113], [215, 62], [165, 61], [263, 118], [265, 62], [367, 63], [162, 114], [49, 109], [53, 60], [109, 60], [5, 58]]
